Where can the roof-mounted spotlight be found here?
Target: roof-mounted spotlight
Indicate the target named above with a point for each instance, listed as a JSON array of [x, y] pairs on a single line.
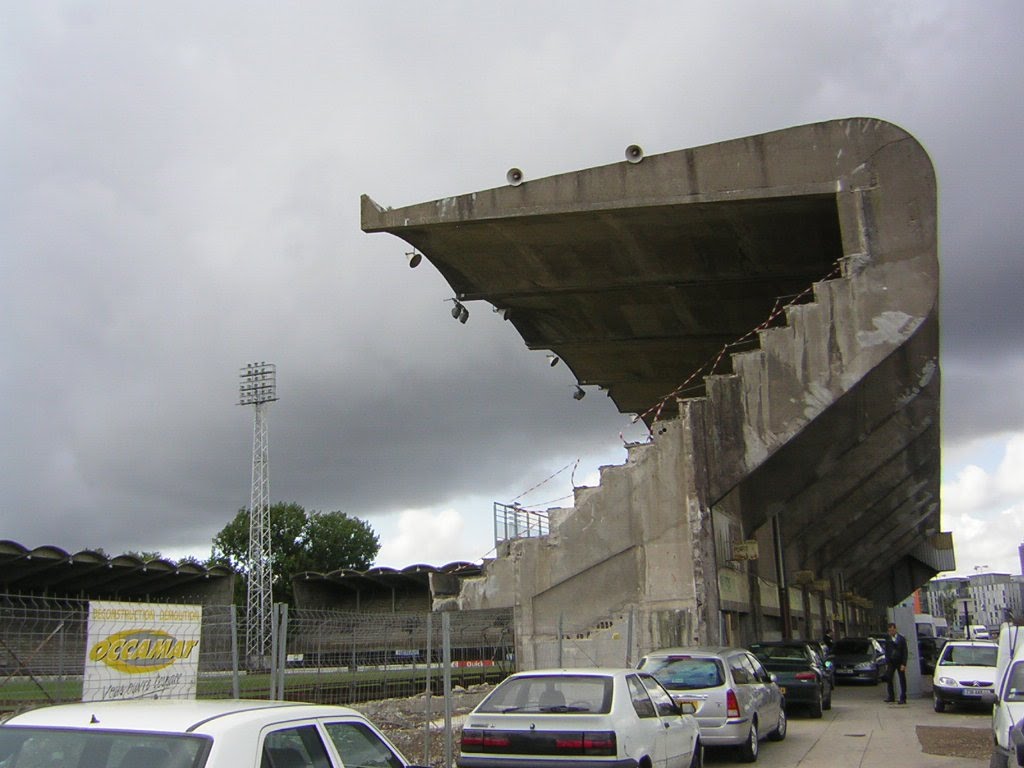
[[459, 311], [553, 360], [579, 394], [414, 257], [514, 177], [634, 153]]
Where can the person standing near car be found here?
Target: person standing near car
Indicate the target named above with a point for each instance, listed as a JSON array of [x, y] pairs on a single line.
[[896, 658]]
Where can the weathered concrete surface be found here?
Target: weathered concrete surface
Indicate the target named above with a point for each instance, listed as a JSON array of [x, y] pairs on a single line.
[[817, 436]]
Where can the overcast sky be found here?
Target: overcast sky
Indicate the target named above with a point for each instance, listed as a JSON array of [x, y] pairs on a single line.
[[179, 195]]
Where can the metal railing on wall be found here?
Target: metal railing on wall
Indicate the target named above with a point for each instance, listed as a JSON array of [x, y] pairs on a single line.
[[513, 522]]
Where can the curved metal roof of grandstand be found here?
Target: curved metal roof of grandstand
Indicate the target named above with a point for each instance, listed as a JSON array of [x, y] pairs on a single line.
[[53, 571]]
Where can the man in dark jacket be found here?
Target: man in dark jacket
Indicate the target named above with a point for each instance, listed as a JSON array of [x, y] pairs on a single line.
[[896, 656]]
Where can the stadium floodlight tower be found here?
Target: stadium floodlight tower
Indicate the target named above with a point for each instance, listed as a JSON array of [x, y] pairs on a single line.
[[258, 388]]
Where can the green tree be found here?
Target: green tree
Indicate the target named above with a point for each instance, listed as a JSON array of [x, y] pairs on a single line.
[[299, 541]]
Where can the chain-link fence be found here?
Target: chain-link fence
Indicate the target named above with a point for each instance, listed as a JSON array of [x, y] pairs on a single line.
[[336, 657]]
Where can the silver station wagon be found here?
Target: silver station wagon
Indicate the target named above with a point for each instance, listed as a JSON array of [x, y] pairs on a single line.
[[737, 700]]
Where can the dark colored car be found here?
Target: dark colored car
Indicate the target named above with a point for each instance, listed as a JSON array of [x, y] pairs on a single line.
[[859, 659], [928, 650], [825, 652], [799, 672], [1017, 741]]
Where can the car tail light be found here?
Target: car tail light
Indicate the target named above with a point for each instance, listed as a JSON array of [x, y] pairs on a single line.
[[472, 740], [564, 743], [599, 743], [732, 704], [806, 676], [475, 740], [586, 743]]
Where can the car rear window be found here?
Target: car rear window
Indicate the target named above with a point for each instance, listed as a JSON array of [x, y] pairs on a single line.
[[775, 652], [554, 694], [36, 747], [968, 656], [852, 646], [682, 673]]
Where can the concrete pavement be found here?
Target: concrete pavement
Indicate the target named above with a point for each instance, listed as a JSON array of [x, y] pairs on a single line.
[[861, 731]]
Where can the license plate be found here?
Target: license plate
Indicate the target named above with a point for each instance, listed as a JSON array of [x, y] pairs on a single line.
[[973, 691]]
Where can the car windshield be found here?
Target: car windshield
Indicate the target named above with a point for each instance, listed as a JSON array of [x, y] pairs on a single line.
[[851, 646], [969, 656], [681, 673], [36, 747], [551, 694]]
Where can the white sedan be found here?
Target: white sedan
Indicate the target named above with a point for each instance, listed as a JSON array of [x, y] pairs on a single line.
[[580, 718], [194, 734]]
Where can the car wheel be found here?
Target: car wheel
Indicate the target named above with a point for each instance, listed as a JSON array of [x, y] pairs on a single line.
[[748, 750], [816, 707], [697, 761], [939, 704], [827, 703], [780, 730]]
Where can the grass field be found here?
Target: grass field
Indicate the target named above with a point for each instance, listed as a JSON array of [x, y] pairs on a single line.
[[328, 686]]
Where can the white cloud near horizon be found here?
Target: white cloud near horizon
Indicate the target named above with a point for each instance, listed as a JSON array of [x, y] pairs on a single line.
[[985, 510]]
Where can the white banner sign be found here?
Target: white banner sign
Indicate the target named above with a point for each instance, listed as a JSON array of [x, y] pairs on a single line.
[[141, 650]]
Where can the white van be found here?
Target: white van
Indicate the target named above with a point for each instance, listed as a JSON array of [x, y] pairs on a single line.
[[1008, 698], [978, 632]]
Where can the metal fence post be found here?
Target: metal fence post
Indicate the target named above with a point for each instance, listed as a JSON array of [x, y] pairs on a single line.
[[629, 638], [446, 644], [561, 634], [236, 691], [272, 693], [428, 693], [282, 647]]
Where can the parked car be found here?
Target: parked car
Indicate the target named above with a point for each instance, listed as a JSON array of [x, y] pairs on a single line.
[[577, 717], [928, 650], [737, 701], [799, 672], [825, 653], [859, 659], [168, 733], [977, 632], [965, 669]]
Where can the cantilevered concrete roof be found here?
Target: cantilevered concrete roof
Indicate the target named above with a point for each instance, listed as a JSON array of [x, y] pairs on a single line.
[[634, 298]]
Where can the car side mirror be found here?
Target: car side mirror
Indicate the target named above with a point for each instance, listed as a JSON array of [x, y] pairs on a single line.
[[687, 708], [988, 698], [773, 677], [829, 664]]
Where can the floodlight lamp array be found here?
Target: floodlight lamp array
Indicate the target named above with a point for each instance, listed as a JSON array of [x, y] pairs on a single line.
[[258, 384]]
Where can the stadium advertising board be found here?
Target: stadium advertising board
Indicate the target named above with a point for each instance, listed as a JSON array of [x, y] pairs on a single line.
[[141, 650]]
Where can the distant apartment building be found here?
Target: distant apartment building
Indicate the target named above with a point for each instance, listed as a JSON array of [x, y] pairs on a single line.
[[993, 598]]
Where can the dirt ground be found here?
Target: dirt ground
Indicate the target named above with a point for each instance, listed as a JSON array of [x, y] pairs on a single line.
[[402, 721], [971, 743]]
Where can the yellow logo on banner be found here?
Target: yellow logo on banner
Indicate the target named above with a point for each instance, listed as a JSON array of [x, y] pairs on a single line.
[[141, 650]]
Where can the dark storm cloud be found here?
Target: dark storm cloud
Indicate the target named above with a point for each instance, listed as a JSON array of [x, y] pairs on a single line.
[[180, 194]]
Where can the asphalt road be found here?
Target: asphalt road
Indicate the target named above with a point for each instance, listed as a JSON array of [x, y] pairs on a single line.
[[862, 731]]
